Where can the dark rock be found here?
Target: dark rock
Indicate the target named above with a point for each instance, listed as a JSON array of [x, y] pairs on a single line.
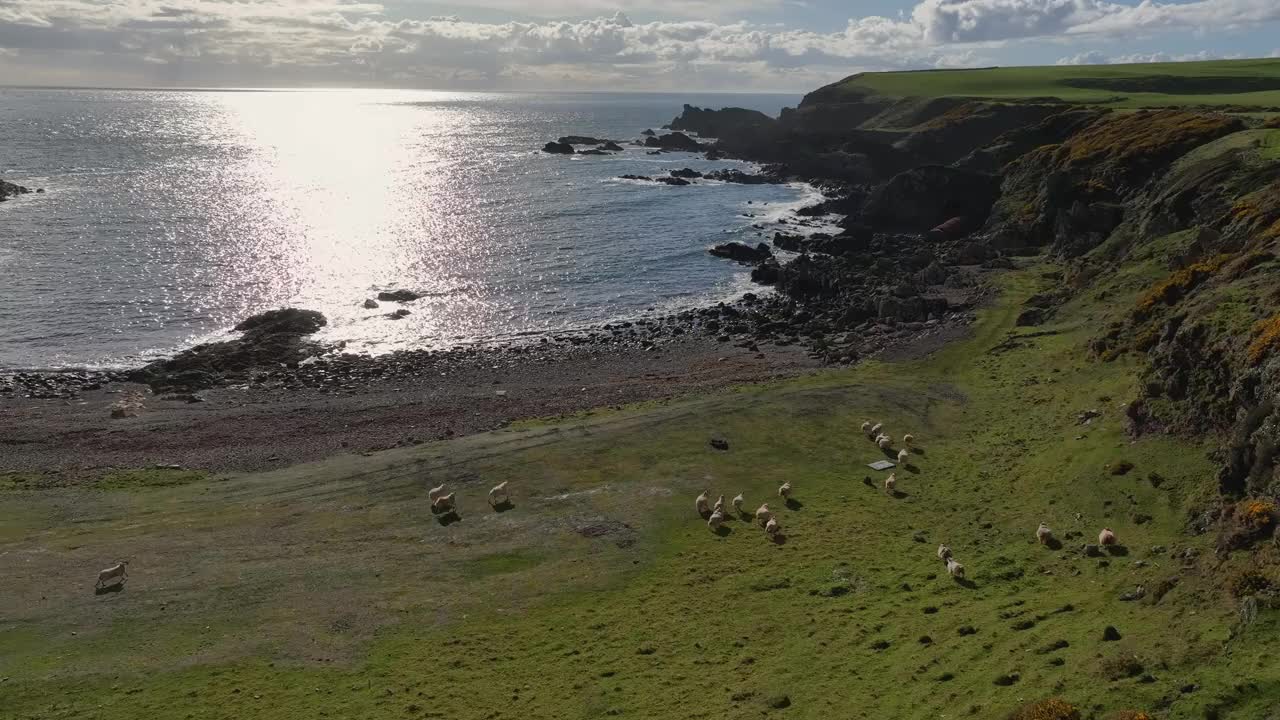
[[582, 140], [644, 178], [676, 141], [742, 252], [611, 146], [557, 148], [594, 151], [289, 321], [648, 133], [398, 296], [399, 314], [1007, 680], [719, 443], [724, 123], [927, 196], [8, 190], [672, 181], [741, 178], [767, 272], [779, 702], [371, 304], [1110, 634], [688, 173], [1030, 317]]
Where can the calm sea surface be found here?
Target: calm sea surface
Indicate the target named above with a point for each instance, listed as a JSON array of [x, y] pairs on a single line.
[[170, 216]]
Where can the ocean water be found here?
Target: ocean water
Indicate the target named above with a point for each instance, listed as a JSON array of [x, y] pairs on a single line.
[[169, 216]]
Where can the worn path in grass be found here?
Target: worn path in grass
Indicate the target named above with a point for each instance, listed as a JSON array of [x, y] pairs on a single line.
[[330, 589]]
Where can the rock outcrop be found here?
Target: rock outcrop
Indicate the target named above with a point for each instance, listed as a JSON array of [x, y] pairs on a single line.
[[8, 190]]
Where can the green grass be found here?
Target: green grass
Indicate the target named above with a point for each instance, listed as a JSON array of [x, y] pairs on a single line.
[[329, 590], [1215, 82], [1262, 145]]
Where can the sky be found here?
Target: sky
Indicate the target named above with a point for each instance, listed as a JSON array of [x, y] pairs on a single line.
[[641, 45]]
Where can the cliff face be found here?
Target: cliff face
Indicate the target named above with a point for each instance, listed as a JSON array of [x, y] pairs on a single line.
[[1187, 200]]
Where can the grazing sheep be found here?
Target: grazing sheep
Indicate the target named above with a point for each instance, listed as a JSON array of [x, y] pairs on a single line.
[[903, 456], [738, 500], [764, 514], [773, 527], [875, 429], [1043, 534], [435, 493], [702, 503], [499, 491], [112, 573], [890, 483], [885, 442], [444, 503], [1106, 537], [955, 569], [784, 491], [944, 552], [908, 439], [715, 521], [866, 428]]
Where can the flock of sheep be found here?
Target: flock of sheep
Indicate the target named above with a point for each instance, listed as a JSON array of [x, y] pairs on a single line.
[[715, 514]]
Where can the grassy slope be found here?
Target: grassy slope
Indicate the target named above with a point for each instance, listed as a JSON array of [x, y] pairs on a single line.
[[1046, 81], [259, 596]]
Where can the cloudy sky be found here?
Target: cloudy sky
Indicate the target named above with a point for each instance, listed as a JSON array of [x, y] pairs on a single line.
[[727, 45]]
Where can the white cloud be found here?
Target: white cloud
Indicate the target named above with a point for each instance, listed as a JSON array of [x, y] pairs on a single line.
[[1095, 57], [344, 41]]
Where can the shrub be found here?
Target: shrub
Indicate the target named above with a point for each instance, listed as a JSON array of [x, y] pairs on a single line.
[[1051, 709], [1173, 288], [1147, 339], [1248, 582], [1272, 122], [1257, 514], [1124, 665], [1266, 337], [1134, 143]]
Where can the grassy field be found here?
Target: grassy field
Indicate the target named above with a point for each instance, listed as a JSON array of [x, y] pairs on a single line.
[[1253, 83], [330, 591]]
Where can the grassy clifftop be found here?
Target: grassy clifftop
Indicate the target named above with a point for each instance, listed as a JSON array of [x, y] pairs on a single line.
[[331, 589], [1254, 83]]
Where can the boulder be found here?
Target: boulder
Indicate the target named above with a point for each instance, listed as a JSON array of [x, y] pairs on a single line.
[[742, 252], [648, 133], [611, 146], [687, 173], [644, 178], [558, 148], [398, 296], [741, 178], [288, 321], [672, 181], [593, 151], [8, 190], [399, 314], [582, 140], [371, 304], [766, 272]]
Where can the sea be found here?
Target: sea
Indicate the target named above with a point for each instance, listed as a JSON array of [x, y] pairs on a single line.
[[169, 216]]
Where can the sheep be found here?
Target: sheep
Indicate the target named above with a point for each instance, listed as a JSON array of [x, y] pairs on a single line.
[[875, 430], [903, 456], [955, 569], [718, 507], [435, 493], [112, 573], [908, 439], [1043, 534], [773, 527], [885, 442], [701, 504], [784, 491], [715, 521], [738, 500], [890, 484], [444, 503], [944, 552], [1106, 537], [764, 514], [866, 428], [499, 491]]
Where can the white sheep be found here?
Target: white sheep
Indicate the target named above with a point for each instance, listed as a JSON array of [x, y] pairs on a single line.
[[764, 514], [1106, 537], [702, 504], [903, 456], [715, 521], [444, 503], [719, 506], [1043, 534], [890, 483], [435, 493], [908, 439], [955, 569], [499, 491], [773, 527], [885, 442], [875, 429], [784, 490], [738, 500], [944, 552], [115, 571], [866, 428]]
